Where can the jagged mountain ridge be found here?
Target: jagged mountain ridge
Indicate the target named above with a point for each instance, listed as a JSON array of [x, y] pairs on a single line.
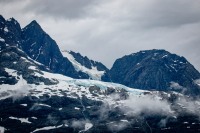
[[156, 69], [45, 50], [38, 45]]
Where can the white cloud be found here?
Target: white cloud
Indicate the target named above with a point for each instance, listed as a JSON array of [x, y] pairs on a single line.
[[117, 126], [146, 104], [190, 105]]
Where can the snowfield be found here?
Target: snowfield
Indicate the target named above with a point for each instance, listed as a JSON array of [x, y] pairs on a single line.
[[93, 73], [78, 86]]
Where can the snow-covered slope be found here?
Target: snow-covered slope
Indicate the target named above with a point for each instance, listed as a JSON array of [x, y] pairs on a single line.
[[77, 105], [63, 83], [93, 72]]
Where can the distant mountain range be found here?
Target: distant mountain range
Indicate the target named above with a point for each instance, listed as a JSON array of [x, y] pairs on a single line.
[[151, 69], [44, 89]]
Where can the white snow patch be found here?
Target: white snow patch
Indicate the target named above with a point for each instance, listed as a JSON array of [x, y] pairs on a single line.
[[6, 29], [88, 126], [44, 105], [52, 76], [38, 53], [47, 128], [164, 56], [2, 40], [2, 129], [23, 120], [93, 73], [66, 125], [173, 68], [34, 118], [25, 105], [32, 67], [77, 108], [124, 120], [11, 72]]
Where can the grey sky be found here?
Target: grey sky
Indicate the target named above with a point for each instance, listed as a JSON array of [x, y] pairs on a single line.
[[105, 30]]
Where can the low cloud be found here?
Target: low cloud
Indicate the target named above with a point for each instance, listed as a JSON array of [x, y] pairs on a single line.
[[190, 105], [117, 126], [177, 87], [80, 124], [52, 119], [20, 92], [146, 104]]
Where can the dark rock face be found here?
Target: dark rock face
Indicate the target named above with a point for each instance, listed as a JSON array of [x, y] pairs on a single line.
[[42, 48], [10, 31], [13, 58], [155, 69], [84, 61]]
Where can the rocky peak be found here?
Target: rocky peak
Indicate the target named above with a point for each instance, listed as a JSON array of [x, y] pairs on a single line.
[[42, 48], [155, 69], [2, 19], [33, 25], [10, 31]]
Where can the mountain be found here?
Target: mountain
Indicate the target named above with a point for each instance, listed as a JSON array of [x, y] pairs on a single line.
[[156, 69], [42, 48], [35, 98], [39, 46]]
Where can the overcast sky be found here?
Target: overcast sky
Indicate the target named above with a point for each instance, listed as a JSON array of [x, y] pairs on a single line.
[[105, 30]]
